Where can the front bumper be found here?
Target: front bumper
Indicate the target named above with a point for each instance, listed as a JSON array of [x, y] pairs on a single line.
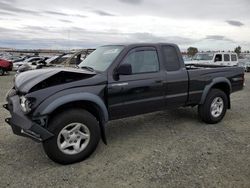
[[21, 124]]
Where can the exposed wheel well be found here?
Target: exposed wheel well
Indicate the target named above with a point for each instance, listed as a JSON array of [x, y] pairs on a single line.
[[86, 105], [226, 89], [89, 106]]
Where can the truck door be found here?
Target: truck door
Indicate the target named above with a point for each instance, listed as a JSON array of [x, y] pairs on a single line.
[[176, 89], [140, 92]]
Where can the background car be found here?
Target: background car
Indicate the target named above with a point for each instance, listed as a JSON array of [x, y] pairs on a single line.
[[215, 58], [5, 66], [54, 61], [62, 60], [245, 63], [186, 58], [31, 61]]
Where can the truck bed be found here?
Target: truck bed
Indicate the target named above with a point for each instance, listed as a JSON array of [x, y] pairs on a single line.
[[201, 76], [203, 66]]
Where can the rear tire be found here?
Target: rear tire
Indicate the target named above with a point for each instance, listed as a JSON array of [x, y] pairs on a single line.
[[76, 136], [214, 108], [1, 72]]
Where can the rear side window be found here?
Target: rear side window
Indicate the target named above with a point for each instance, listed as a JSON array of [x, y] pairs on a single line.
[[226, 57], [234, 57], [171, 57], [143, 61]]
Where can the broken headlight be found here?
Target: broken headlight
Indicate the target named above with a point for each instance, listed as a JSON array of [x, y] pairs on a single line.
[[26, 104]]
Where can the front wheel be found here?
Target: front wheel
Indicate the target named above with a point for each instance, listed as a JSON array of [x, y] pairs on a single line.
[[214, 108], [77, 134]]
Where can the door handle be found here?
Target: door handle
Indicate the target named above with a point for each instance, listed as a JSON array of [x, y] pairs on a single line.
[[119, 84]]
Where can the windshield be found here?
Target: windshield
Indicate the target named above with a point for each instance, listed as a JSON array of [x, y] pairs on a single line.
[[208, 56], [102, 57]]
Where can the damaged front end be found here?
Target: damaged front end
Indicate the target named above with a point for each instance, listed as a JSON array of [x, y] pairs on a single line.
[[22, 124], [25, 97]]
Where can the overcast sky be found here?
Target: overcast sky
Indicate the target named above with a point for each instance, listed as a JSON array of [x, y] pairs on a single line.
[[208, 25]]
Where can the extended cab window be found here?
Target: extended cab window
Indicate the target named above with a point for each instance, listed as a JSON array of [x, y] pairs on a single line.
[[234, 57], [142, 61], [171, 58]]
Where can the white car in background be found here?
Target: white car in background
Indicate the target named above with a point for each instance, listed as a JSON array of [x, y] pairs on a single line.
[[245, 63], [186, 58], [215, 58], [30, 61]]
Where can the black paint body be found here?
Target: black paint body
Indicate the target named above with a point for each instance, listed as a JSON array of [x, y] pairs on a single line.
[[114, 96]]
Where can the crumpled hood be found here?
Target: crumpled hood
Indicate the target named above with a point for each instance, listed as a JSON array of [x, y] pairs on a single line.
[[26, 80]]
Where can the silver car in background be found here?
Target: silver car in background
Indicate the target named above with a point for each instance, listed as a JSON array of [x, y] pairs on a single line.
[[245, 63]]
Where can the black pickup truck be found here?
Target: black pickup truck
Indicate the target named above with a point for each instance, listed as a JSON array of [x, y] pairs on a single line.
[[67, 109]]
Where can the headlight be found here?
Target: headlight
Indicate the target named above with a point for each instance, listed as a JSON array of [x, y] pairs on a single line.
[[25, 104]]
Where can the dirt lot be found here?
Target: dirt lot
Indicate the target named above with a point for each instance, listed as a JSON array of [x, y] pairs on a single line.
[[163, 149]]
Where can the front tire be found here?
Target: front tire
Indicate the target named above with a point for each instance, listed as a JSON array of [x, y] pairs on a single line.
[[76, 136], [214, 108]]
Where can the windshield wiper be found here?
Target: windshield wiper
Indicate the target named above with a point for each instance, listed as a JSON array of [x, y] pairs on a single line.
[[88, 68]]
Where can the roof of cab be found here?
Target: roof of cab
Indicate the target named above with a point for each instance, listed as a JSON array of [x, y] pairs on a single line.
[[140, 44]]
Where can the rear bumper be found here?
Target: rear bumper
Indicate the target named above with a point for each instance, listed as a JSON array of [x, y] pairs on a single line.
[[21, 124], [7, 68]]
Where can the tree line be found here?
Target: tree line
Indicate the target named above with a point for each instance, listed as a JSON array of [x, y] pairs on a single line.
[[191, 51]]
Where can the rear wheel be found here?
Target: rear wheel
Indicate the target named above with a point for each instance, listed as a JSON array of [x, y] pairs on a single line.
[[77, 134], [1, 72], [214, 108]]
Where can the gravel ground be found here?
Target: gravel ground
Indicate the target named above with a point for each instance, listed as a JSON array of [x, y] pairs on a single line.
[[163, 149]]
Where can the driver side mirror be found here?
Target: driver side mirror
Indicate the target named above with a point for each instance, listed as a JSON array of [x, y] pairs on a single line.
[[124, 69]]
